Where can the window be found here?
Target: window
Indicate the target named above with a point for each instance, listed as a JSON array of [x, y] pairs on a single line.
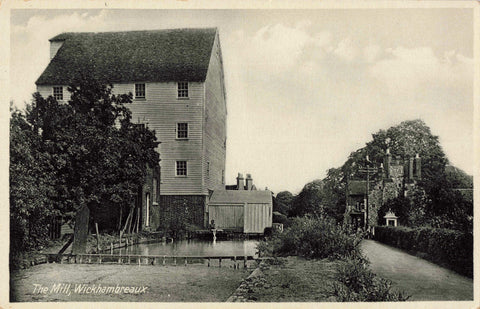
[[182, 130], [181, 168], [182, 89], [139, 91], [58, 93]]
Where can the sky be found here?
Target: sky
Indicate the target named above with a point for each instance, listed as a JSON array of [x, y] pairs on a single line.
[[304, 88]]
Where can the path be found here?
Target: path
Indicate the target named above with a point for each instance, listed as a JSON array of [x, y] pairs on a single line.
[[421, 279]]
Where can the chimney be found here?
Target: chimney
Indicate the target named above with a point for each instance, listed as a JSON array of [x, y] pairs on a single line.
[[387, 163], [54, 47], [249, 182], [240, 184], [418, 167], [410, 168]]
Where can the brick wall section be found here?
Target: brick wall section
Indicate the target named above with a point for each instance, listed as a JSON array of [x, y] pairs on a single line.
[[181, 209]]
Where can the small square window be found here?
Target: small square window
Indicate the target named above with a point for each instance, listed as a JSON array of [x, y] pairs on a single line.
[[181, 168], [182, 89], [58, 93], [139, 91], [182, 130]]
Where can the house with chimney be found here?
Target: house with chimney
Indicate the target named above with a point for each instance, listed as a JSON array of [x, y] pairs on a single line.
[[176, 78], [241, 207], [396, 176]]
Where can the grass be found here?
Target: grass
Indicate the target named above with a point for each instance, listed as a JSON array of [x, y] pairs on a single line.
[[298, 280]]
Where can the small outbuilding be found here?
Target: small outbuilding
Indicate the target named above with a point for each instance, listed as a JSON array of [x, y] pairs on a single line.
[[390, 218], [248, 212]]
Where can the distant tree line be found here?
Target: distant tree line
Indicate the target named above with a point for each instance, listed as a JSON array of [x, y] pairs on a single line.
[[436, 201], [86, 152]]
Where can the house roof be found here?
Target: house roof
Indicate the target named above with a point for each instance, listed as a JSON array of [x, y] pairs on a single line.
[[133, 56], [242, 196]]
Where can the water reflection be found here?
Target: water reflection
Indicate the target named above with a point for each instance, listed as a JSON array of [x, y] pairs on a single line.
[[195, 248]]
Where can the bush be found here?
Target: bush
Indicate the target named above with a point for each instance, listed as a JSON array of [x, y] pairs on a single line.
[[451, 248], [358, 283], [311, 238]]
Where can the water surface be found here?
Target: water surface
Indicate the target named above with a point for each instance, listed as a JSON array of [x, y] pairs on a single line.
[[194, 248]]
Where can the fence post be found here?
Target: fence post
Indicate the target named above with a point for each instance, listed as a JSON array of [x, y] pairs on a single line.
[[111, 248], [245, 261], [164, 260], [220, 262]]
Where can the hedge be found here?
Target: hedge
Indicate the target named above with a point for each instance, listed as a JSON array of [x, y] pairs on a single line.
[[449, 248]]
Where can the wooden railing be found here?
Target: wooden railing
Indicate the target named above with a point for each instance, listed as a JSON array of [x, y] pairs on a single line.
[[104, 258]]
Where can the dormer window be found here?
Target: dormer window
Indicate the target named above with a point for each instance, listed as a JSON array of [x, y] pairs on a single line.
[[58, 93], [139, 91], [182, 90]]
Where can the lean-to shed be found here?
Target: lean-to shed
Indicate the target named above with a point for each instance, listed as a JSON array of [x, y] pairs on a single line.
[[249, 212]]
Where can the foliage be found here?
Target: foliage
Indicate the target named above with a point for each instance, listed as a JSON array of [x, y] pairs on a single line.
[[30, 187], [451, 248], [282, 203], [82, 152], [359, 283], [309, 200], [312, 238]]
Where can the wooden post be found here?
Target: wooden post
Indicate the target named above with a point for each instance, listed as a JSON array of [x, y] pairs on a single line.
[[245, 261], [111, 248], [208, 262], [154, 262], [235, 262], [220, 262], [164, 260], [175, 261], [98, 237], [81, 230], [185, 261], [138, 260]]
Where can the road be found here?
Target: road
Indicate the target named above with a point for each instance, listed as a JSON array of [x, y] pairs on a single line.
[[421, 279]]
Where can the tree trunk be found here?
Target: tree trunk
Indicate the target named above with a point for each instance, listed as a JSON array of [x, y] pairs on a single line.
[[138, 218], [129, 219], [120, 219]]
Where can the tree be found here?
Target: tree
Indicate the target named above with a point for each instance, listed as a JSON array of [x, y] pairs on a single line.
[[30, 187], [99, 157], [309, 201], [282, 203]]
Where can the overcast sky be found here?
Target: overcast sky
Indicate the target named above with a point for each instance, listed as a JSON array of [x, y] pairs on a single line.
[[304, 87]]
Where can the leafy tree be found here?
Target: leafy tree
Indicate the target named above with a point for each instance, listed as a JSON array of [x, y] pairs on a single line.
[[310, 200], [282, 203], [334, 194], [30, 186], [99, 157]]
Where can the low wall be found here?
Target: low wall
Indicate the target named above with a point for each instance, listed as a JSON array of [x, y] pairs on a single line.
[[449, 248]]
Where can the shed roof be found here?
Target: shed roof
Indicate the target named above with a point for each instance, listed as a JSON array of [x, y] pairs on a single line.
[[242, 196], [132, 56]]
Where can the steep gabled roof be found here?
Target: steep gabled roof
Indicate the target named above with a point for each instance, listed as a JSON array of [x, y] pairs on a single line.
[[242, 196], [133, 56]]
